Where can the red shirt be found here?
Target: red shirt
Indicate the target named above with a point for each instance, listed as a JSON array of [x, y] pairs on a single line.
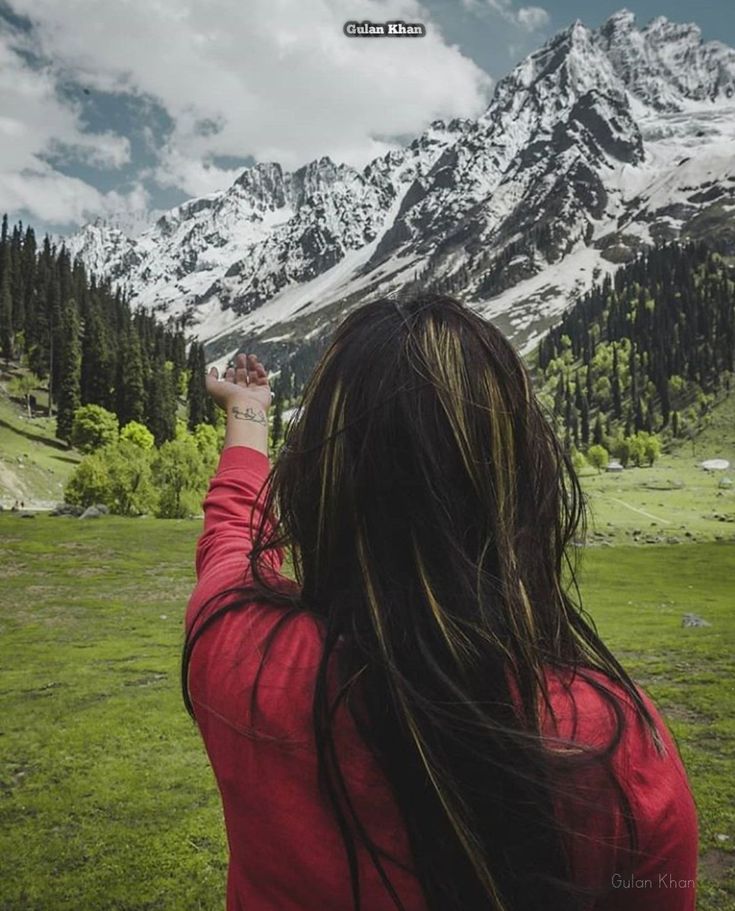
[[286, 853]]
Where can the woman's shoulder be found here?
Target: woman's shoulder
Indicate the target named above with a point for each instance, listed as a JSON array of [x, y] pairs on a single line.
[[593, 710], [586, 703], [646, 771], [259, 645]]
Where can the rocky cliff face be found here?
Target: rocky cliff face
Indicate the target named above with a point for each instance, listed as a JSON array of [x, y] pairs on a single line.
[[600, 143]]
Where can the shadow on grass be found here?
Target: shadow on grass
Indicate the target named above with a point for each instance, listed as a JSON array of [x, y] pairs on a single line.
[[36, 437], [63, 458]]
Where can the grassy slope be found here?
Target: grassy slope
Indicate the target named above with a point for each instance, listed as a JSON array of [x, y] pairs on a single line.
[[34, 465], [106, 799]]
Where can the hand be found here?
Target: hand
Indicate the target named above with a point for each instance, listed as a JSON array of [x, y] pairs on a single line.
[[246, 382]]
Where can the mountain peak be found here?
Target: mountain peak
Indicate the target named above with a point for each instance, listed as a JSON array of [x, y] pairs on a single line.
[[622, 19], [582, 158], [662, 28]]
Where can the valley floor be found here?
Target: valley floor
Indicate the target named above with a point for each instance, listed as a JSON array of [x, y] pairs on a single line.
[[106, 798]]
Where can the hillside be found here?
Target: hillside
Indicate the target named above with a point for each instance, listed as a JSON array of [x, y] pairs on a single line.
[[34, 464], [600, 144], [68, 340], [650, 350]]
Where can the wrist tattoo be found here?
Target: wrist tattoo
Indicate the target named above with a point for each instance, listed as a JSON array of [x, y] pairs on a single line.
[[249, 414]]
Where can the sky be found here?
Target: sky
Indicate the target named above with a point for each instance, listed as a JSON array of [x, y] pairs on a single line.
[[124, 109]]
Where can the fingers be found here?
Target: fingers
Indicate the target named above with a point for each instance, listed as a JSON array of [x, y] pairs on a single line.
[[210, 378], [247, 371]]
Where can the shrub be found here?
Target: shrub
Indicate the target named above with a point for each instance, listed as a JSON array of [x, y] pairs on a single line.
[[598, 457], [180, 474], [93, 427], [118, 475], [138, 434]]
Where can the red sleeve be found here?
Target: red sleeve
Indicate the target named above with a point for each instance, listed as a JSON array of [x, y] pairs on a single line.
[[233, 508]]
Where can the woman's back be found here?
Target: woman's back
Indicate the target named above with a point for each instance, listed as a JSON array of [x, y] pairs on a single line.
[[286, 850]]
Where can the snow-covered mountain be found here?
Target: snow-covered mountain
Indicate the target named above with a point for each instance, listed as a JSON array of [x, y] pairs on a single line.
[[600, 143]]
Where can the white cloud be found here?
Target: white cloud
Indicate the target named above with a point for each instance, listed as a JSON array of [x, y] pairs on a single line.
[[527, 18], [60, 199], [533, 17], [101, 150], [272, 80], [38, 127]]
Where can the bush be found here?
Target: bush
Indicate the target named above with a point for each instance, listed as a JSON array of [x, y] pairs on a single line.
[[93, 427], [138, 434], [598, 457], [621, 450], [180, 474], [652, 449], [118, 475], [89, 483], [207, 441], [637, 446], [578, 460]]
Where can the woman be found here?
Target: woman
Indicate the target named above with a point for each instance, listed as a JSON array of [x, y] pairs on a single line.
[[425, 719]]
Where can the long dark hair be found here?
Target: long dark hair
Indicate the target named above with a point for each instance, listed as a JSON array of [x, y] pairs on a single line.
[[431, 514]]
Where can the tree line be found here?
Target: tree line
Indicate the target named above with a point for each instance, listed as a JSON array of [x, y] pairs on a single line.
[[646, 351], [81, 340]]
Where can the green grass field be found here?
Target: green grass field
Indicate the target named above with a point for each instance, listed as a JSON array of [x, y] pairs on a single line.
[[106, 798], [675, 500], [107, 802]]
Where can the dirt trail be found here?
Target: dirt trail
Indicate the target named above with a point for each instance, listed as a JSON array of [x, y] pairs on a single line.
[[642, 511]]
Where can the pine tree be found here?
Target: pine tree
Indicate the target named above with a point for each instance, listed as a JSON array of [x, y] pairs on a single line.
[[17, 280], [584, 421], [53, 337], [96, 361], [616, 397], [211, 411], [6, 317], [70, 369], [639, 419], [28, 266], [665, 400], [277, 426], [648, 417], [634, 384], [598, 432], [6, 293], [196, 393], [628, 422], [161, 410], [559, 398], [131, 388]]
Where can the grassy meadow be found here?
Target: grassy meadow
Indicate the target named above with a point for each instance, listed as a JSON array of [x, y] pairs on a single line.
[[107, 802], [106, 798]]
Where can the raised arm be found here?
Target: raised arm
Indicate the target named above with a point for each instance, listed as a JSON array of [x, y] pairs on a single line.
[[234, 502], [245, 394]]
